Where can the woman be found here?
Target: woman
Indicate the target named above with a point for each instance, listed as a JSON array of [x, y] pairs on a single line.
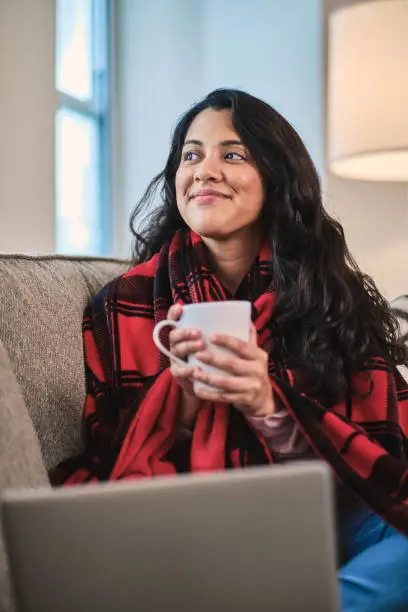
[[242, 218]]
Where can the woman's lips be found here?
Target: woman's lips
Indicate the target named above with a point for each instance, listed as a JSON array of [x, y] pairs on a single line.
[[208, 199], [208, 196]]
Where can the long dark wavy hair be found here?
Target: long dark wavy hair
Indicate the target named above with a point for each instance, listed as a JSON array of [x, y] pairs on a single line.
[[329, 316]]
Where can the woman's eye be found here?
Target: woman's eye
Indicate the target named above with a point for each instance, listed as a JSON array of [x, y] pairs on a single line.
[[231, 154], [189, 156]]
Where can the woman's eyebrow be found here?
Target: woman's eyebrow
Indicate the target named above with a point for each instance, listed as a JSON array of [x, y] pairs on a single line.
[[228, 143], [195, 142], [222, 143]]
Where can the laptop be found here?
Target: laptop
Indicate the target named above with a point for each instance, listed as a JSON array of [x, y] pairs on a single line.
[[257, 539]]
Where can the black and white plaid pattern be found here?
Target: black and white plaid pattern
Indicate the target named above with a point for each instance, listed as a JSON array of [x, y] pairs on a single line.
[[400, 309]]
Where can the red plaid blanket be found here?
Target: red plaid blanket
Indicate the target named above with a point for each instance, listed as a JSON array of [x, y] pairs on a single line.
[[132, 405]]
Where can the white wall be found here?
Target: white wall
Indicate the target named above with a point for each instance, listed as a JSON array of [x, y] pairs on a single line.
[[27, 107], [173, 52], [374, 216], [272, 49]]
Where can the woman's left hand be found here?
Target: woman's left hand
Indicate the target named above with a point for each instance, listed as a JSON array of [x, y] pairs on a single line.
[[244, 380]]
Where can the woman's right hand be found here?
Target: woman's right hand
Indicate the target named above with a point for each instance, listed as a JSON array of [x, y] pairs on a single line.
[[184, 342]]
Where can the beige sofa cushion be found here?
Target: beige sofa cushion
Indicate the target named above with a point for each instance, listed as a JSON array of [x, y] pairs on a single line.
[[21, 464], [42, 300]]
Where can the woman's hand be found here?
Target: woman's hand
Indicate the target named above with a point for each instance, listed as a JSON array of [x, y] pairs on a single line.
[[184, 342], [244, 380]]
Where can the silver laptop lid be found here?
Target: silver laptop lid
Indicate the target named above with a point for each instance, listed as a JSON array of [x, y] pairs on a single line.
[[259, 539]]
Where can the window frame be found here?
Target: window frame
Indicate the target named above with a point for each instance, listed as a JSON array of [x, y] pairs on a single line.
[[98, 108]]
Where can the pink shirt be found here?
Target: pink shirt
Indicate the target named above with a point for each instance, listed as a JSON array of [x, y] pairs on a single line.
[[282, 435]]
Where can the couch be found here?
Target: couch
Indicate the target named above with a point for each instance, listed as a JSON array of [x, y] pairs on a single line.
[[42, 385]]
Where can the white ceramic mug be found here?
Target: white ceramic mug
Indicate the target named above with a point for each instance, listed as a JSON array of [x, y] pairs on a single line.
[[228, 317]]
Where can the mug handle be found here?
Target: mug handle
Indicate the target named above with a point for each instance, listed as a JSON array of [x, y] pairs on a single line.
[[160, 346]]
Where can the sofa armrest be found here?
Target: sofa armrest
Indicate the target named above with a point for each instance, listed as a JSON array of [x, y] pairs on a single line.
[[21, 463]]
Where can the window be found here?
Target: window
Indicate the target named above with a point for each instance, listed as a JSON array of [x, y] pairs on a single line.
[[82, 127]]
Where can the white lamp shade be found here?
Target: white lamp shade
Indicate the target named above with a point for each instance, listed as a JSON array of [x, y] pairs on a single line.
[[368, 91]]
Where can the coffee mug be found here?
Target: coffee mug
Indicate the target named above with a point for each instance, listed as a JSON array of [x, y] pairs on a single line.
[[229, 317]]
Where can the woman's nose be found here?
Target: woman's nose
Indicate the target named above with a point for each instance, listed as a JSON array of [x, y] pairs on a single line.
[[209, 169]]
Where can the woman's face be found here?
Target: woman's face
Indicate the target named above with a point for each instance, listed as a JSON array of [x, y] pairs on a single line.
[[218, 187]]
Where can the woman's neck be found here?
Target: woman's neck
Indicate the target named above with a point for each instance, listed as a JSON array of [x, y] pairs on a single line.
[[232, 258]]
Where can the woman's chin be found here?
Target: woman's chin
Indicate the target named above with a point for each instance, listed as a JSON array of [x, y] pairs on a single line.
[[210, 231]]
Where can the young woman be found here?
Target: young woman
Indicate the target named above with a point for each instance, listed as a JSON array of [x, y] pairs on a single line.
[[241, 217]]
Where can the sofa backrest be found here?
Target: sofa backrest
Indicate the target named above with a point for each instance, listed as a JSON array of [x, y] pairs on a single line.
[[42, 299]]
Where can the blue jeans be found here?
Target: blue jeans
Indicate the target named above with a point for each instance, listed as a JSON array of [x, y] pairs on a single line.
[[373, 575]]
